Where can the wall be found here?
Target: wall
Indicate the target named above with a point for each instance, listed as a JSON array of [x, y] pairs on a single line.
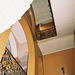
[[52, 45], [3, 40], [39, 60], [22, 51], [54, 62], [63, 12]]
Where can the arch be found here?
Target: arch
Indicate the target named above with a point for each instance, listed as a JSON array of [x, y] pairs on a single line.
[[33, 49]]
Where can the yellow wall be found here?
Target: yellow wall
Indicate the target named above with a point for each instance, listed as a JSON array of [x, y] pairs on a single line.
[[40, 66], [54, 62], [3, 40], [31, 49]]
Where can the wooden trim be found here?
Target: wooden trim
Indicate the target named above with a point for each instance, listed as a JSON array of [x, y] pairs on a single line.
[[32, 19]]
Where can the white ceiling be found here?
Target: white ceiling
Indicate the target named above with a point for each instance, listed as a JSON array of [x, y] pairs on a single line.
[[64, 17], [18, 32], [11, 11], [63, 11], [58, 44]]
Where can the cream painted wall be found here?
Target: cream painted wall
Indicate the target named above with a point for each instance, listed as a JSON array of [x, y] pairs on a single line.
[[64, 16], [22, 51], [57, 44], [23, 54]]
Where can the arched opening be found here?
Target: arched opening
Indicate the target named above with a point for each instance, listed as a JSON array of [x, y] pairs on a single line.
[[17, 45], [33, 50]]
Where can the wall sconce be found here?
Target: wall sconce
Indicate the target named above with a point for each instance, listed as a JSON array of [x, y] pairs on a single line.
[[62, 68]]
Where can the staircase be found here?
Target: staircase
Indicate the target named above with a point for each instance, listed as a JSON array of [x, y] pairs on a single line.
[[9, 65]]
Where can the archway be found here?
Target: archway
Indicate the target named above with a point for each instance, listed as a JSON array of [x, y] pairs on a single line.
[[33, 49]]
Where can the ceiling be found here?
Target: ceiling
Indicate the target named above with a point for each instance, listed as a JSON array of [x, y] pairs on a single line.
[[41, 11], [56, 44], [18, 32], [12, 11], [63, 12], [64, 17]]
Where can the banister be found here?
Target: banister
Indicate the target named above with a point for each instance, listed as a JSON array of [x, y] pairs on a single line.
[[4, 66]]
